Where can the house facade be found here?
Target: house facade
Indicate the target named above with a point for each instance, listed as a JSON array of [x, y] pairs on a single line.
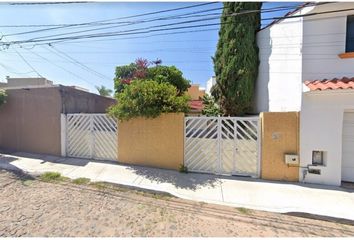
[[307, 65]]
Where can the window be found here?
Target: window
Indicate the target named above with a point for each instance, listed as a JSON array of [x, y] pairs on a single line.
[[349, 46]]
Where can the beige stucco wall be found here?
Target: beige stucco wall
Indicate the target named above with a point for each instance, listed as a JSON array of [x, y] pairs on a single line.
[[154, 142], [280, 135]]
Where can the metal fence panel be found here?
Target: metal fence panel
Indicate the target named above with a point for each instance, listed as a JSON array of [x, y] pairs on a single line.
[[222, 145], [91, 136]]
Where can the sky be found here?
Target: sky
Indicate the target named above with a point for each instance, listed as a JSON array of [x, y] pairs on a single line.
[[91, 62]]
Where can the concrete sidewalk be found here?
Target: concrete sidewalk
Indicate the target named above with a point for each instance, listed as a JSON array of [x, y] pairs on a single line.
[[233, 191]]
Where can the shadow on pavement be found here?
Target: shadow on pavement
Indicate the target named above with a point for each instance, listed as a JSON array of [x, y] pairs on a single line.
[[5, 165], [80, 162], [189, 181]]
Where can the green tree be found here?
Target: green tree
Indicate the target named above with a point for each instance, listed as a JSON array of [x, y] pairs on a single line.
[[123, 75], [148, 98], [236, 58], [3, 96], [210, 109], [103, 91], [140, 70], [169, 74]]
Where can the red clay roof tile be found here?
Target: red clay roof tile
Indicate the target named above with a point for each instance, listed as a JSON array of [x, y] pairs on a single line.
[[332, 84], [196, 105]]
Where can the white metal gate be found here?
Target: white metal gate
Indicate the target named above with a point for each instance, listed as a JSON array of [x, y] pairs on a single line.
[[222, 145], [91, 136]]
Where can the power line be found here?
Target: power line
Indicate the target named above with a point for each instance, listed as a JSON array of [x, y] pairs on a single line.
[[104, 22], [107, 34], [127, 23], [180, 16], [81, 64], [46, 3], [156, 19], [7, 68], [68, 71], [140, 37], [127, 17], [19, 54]]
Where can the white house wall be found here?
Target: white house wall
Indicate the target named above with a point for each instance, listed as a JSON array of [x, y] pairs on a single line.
[[278, 87], [321, 122], [324, 38]]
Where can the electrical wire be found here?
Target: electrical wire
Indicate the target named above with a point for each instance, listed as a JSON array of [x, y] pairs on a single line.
[[122, 33], [58, 66], [7, 68], [180, 16], [19, 54], [157, 19], [83, 66]]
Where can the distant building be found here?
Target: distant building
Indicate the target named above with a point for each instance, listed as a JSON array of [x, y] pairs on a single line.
[[25, 82], [196, 104], [210, 83], [13, 83], [196, 92]]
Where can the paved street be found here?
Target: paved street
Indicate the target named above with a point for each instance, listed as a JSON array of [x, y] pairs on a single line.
[[244, 192], [29, 207]]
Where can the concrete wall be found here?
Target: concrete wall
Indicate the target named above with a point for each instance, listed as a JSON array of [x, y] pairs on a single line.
[[155, 142], [30, 121], [77, 101], [280, 135], [25, 82], [321, 124]]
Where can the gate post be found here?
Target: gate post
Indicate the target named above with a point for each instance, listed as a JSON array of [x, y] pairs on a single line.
[[63, 138], [259, 145], [91, 136], [219, 145]]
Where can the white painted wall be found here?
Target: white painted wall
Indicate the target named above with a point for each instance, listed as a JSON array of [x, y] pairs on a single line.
[[295, 50], [278, 87], [323, 39], [321, 122], [210, 83]]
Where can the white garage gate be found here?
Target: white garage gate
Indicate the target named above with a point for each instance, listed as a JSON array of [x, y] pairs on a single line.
[[92, 136], [348, 147], [222, 145]]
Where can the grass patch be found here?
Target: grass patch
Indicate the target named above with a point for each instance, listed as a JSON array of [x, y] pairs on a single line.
[[244, 210], [99, 185], [81, 181], [52, 177], [27, 182]]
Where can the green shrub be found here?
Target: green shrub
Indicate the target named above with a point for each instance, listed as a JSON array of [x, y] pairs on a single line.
[[210, 109], [3, 96], [148, 98]]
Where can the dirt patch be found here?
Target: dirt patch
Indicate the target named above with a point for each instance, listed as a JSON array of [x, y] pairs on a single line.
[[30, 207]]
